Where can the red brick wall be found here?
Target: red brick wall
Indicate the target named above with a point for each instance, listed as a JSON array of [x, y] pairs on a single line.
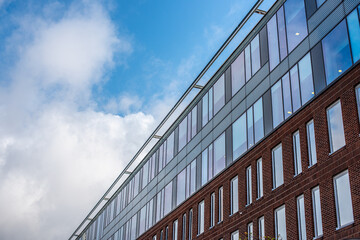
[[320, 174]]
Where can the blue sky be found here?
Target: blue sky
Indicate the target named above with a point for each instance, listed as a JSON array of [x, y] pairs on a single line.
[[83, 84]]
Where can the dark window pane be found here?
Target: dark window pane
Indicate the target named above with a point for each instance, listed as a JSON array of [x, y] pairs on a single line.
[[336, 52], [319, 2], [354, 33]]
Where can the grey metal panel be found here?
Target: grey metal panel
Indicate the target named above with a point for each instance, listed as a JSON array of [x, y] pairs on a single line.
[[207, 129], [331, 21], [317, 63], [238, 97], [206, 142], [176, 140], [198, 172], [160, 185], [267, 112], [236, 113], [264, 52], [310, 6], [194, 153], [170, 175], [350, 5], [321, 13], [219, 129], [199, 116], [161, 174], [181, 165], [172, 164], [182, 153], [258, 77], [153, 183], [299, 52], [257, 93], [228, 85], [279, 71], [221, 114]]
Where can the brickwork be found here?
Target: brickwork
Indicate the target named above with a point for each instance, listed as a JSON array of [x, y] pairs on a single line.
[[321, 174]]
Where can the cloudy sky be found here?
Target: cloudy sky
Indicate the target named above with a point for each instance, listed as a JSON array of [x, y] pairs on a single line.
[[82, 86]]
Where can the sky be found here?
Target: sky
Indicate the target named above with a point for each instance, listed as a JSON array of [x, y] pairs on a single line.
[[83, 84]]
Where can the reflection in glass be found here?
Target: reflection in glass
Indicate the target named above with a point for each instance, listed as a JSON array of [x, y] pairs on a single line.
[[219, 154], [182, 133], [295, 88], [205, 109], [258, 120], [301, 217], [297, 153], [336, 50], [255, 54], [234, 196], [181, 186], [282, 33], [273, 43], [168, 198], [280, 223], [204, 167], [336, 127], [170, 148], [250, 127], [311, 142], [287, 95], [306, 79], [259, 178], [248, 186], [238, 73], [247, 63], [354, 33], [201, 209], [277, 104], [317, 211], [239, 136], [219, 94], [344, 209], [277, 166]]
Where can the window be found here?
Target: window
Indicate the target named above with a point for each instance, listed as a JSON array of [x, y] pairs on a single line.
[[250, 127], [297, 153], [311, 142], [301, 217], [170, 148], [193, 122], [190, 223], [238, 73], [186, 182], [277, 166], [261, 228], [235, 235], [357, 91], [183, 232], [259, 178], [166, 232], [335, 126], [250, 231], [317, 211], [133, 227], [213, 100], [282, 33], [182, 133], [306, 79], [154, 237], [239, 136], [219, 94], [221, 203], [255, 54], [280, 223], [274, 57], [161, 234], [212, 210], [295, 18], [234, 196], [354, 33], [277, 104], [247, 63], [336, 50], [258, 120], [168, 199], [287, 95], [248, 186], [175, 230], [204, 166], [344, 209], [181, 187], [295, 88], [142, 220], [219, 154], [201, 209]]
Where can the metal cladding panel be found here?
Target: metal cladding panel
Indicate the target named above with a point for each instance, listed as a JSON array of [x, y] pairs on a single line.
[[317, 62], [258, 92], [236, 113], [181, 154], [267, 112], [170, 176], [299, 52], [221, 114], [181, 165], [228, 144], [322, 13], [255, 81], [194, 153], [264, 52], [350, 5], [219, 129], [238, 97], [329, 23], [279, 71], [206, 141], [228, 85], [176, 138], [207, 129]]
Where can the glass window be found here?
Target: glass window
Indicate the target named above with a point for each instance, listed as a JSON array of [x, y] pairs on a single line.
[[277, 104], [183, 232], [168, 198], [201, 209], [317, 211], [204, 167], [280, 223], [335, 126], [235, 235], [259, 178], [306, 79], [221, 203], [272, 32], [255, 54], [170, 148], [354, 33], [295, 88], [250, 127], [357, 91], [287, 95], [145, 175], [219, 154], [192, 177], [258, 120], [142, 220], [181, 187], [212, 210], [175, 230], [159, 205], [234, 196], [205, 109], [311, 142], [250, 231], [296, 25], [248, 186], [182, 133], [133, 227], [282, 33], [238, 73], [248, 63], [344, 209], [190, 223], [166, 232], [239, 136], [336, 52], [297, 153], [154, 237], [211, 102], [219, 94], [277, 165], [210, 162], [301, 217], [194, 122], [261, 228], [136, 183], [161, 234], [319, 2]]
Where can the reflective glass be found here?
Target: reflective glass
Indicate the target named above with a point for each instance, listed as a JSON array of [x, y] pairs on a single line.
[[297, 153], [258, 120], [221, 204], [296, 26], [311, 142], [344, 209], [336, 127], [280, 223], [247, 63], [170, 148], [319, 2], [211, 103], [250, 127], [282, 33], [181, 186], [168, 198], [287, 95], [295, 88], [259, 178], [277, 167], [142, 220], [238, 73], [182, 133], [190, 224], [317, 211], [234, 194], [255, 54], [336, 52], [301, 217], [145, 176], [136, 183], [354, 33], [212, 210], [306, 79], [133, 227], [201, 214], [192, 177], [239, 137], [277, 104], [274, 57], [210, 162], [261, 228], [250, 231], [357, 91], [194, 122], [175, 230], [205, 109], [204, 167], [235, 235], [219, 94], [219, 154], [248, 186]]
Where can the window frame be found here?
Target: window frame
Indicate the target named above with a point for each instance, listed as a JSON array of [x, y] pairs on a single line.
[[234, 202], [337, 207], [328, 118]]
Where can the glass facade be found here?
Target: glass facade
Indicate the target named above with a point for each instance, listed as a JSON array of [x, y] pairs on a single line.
[[201, 218], [354, 33], [335, 126]]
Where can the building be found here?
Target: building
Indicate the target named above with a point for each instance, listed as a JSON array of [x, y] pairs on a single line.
[[269, 147]]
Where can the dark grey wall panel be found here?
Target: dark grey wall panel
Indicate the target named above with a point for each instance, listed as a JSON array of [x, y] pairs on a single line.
[[310, 6], [228, 144], [279, 71], [299, 52], [350, 5], [267, 112], [321, 13], [176, 137], [228, 85], [318, 68], [264, 53], [199, 116]]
